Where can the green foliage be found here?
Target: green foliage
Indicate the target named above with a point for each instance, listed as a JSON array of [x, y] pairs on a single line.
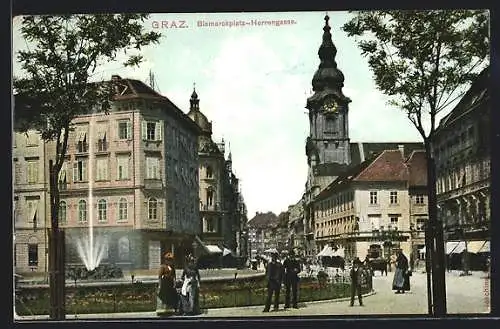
[[422, 60]]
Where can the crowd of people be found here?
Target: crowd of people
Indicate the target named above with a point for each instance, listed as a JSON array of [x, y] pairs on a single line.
[[182, 295]]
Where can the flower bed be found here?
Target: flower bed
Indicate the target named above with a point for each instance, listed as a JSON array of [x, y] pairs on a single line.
[[141, 297]]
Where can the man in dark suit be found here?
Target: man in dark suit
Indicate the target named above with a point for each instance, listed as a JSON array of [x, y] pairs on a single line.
[[356, 281], [274, 275], [292, 270]]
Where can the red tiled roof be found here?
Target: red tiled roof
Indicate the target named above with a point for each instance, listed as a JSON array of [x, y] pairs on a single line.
[[417, 167], [388, 166]]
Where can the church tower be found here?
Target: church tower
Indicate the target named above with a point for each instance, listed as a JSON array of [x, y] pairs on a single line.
[[327, 147]]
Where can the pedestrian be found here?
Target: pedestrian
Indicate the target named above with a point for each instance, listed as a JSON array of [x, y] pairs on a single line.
[[274, 275], [357, 279], [400, 273], [167, 294], [292, 269], [190, 290]]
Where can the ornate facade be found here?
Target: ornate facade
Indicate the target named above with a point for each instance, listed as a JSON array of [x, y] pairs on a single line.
[[462, 150], [220, 206], [132, 176]]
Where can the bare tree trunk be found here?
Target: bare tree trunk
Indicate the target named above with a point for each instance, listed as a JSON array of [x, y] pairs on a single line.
[[56, 253], [436, 234]]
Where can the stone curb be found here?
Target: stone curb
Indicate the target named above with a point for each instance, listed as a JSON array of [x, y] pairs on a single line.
[[154, 314]]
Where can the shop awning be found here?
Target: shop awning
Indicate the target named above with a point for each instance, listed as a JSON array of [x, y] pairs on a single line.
[[475, 246], [326, 252], [209, 248], [485, 247], [213, 249], [422, 250], [455, 247], [227, 251], [340, 252]]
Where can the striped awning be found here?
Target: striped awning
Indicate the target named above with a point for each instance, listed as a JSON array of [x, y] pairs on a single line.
[[475, 246], [455, 247]]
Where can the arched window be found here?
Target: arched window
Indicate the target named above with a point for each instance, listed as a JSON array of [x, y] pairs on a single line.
[[82, 211], [210, 197], [62, 212], [124, 248], [209, 172], [123, 210], [102, 208], [152, 209]]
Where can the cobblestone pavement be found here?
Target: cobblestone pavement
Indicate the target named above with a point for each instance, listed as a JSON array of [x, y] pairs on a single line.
[[466, 294]]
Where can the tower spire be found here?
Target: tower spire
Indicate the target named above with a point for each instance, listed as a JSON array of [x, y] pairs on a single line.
[[194, 101]]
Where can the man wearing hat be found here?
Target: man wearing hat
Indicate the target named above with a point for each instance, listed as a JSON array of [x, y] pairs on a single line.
[[274, 275], [356, 278], [292, 270]]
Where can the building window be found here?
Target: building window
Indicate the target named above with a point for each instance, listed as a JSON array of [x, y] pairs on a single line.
[[209, 172], [33, 254], [211, 227], [210, 197], [394, 222], [124, 129], [102, 169], [82, 211], [152, 130], [123, 210], [122, 167], [152, 168], [63, 176], [32, 171], [419, 199], [32, 205], [393, 197], [80, 170], [152, 209], [81, 142], [102, 209], [329, 125], [62, 212], [31, 139], [373, 198], [102, 145], [421, 224]]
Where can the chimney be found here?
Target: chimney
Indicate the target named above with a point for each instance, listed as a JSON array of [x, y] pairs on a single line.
[[402, 150]]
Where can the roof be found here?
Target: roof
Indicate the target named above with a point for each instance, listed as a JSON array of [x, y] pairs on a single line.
[[388, 166], [417, 168], [475, 95], [263, 220]]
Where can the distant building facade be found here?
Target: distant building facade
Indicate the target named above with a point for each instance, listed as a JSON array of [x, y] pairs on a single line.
[[261, 228], [462, 149], [220, 206], [369, 207]]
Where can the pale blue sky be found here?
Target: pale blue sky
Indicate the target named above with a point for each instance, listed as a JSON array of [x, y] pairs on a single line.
[[253, 82]]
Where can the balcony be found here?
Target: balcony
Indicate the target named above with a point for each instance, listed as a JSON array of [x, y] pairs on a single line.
[[153, 184]]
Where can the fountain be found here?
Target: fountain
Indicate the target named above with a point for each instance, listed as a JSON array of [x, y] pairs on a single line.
[[90, 248]]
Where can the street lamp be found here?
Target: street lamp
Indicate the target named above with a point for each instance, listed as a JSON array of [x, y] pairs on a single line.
[[195, 247]]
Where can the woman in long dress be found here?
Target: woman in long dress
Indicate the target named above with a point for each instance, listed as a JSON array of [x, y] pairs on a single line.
[[190, 291], [167, 295], [400, 274]]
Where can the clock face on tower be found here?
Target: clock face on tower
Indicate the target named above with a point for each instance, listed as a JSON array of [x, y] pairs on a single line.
[[330, 105]]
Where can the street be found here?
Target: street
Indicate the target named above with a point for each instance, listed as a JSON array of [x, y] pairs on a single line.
[[464, 295]]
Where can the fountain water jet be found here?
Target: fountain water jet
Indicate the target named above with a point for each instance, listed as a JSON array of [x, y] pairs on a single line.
[[91, 249]]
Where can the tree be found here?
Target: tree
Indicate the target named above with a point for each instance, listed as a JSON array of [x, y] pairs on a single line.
[[424, 60], [64, 52]]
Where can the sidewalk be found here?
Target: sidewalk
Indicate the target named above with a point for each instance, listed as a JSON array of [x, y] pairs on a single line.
[[464, 295]]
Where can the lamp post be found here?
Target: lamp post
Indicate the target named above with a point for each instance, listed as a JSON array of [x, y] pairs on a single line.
[[195, 249]]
